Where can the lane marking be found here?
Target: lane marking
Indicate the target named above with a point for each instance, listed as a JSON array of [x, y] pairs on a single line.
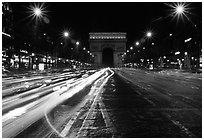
[[68, 126], [82, 84], [106, 118], [103, 110], [181, 127], [93, 106]]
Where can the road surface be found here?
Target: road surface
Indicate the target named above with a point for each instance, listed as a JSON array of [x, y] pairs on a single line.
[[106, 103]]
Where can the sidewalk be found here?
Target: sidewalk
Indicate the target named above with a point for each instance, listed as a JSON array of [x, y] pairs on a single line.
[[26, 72], [175, 70]]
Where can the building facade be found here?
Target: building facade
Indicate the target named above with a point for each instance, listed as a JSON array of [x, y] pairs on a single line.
[[7, 34]]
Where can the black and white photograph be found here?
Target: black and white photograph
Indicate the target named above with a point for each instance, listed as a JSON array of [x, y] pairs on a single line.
[[101, 69]]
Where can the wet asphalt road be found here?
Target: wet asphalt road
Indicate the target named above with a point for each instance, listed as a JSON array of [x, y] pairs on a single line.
[[117, 107], [134, 116]]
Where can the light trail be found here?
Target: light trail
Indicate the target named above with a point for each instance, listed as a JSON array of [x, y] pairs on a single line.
[[97, 92], [44, 105], [94, 90]]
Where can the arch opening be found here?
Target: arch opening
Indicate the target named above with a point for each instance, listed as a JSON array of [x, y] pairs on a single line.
[[107, 57]]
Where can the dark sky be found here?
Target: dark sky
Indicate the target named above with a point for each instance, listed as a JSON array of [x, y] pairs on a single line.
[[134, 18]]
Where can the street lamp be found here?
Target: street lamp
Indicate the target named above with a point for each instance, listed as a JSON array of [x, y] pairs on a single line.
[[137, 43], [149, 34], [77, 43], [66, 34], [180, 10], [37, 11]]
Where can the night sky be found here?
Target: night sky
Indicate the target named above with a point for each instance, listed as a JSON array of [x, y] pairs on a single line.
[[134, 18]]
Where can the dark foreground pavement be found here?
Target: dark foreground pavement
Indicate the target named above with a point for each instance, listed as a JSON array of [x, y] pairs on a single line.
[[133, 115]]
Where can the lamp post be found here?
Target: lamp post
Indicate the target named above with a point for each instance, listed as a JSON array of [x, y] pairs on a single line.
[[37, 11], [77, 43], [149, 34], [66, 34], [77, 48], [36, 14], [79, 51], [137, 43]]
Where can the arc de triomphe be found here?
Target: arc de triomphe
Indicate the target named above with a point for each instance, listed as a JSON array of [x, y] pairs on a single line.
[[108, 48]]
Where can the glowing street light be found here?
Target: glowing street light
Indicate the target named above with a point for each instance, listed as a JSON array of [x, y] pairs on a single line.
[[77, 43], [137, 43], [180, 10], [66, 34], [37, 11], [149, 34], [131, 48]]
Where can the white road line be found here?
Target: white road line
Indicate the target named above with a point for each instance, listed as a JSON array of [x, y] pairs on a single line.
[[69, 124], [106, 117], [103, 109], [178, 124], [96, 91], [81, 84], [93, 106]]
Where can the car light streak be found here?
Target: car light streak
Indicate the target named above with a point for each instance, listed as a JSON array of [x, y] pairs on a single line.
[[40, 90], [45, 105], [93, 106], [96, 88]]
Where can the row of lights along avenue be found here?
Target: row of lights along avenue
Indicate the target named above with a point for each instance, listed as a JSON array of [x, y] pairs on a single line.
[[38, 14], [33, 58], [184, 59]]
